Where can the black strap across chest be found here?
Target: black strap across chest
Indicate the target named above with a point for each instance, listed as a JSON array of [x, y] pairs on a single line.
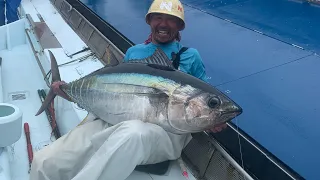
[[176, 57]]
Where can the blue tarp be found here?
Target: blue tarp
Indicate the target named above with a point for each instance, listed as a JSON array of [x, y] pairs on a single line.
[[286, 20], [276, 83]]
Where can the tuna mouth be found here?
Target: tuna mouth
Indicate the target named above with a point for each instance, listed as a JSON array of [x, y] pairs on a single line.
[[232, 112], [229, 115]]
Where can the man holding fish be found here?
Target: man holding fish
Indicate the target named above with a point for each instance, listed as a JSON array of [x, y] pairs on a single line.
[[165, 105]]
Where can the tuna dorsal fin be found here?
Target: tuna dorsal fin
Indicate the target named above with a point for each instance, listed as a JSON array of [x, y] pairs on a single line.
[[157, 58]]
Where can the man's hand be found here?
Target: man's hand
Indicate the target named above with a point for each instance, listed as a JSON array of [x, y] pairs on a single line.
[[218, 128]]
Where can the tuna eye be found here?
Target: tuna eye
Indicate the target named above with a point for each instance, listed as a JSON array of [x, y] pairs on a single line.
[[213, 102]]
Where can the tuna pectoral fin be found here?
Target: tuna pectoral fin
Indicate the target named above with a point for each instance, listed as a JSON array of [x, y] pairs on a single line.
[[46, 102], [157, 60]]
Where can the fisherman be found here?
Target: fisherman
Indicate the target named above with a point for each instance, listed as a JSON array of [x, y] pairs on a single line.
[[96, 150], [11, 8]]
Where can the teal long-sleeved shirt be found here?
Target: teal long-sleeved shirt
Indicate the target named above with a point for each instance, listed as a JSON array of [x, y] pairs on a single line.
[[190, 60]]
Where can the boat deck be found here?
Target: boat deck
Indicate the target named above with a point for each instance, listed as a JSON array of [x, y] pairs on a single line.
[[21, 79]]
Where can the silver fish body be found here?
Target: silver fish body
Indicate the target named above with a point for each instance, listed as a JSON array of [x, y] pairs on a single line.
[[152, 92]]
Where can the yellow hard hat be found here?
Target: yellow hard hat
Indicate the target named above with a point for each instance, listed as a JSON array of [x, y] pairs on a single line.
[[170, 7]]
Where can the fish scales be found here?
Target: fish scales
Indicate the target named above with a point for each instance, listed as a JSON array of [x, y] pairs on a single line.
[[115, 98]]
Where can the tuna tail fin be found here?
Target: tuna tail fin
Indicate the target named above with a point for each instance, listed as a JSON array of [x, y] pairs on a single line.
[[55, 77]]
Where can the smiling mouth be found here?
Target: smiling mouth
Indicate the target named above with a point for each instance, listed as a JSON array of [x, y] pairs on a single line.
[[164, 33]]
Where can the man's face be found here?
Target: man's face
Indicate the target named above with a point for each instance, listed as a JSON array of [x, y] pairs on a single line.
[[164, 27]]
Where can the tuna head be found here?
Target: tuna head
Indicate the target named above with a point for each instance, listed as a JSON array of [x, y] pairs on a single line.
[[194, 110]]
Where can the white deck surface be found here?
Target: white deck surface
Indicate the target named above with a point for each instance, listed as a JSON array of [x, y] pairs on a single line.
[[21, 74]]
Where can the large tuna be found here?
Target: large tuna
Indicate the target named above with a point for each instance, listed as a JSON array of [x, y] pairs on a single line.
[[150, 90]]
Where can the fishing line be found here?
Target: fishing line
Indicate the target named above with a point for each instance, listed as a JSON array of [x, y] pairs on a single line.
[[240, 146]]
